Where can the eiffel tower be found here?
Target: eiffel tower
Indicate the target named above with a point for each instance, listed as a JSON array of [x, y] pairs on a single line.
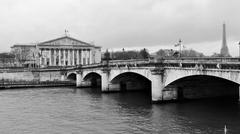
[[224, 50]]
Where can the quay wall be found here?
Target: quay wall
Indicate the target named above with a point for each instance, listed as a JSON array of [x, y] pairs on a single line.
[[30, 75]]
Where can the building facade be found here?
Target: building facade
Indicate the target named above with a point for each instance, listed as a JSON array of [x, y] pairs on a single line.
[[63, 51], [25, 55]]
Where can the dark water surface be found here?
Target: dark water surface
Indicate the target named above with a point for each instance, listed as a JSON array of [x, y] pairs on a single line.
[[73, 111]]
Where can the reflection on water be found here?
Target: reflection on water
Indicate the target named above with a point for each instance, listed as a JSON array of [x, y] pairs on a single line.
[[69, 110]]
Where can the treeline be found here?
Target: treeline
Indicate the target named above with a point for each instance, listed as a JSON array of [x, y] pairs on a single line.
[[127, 55], [144, 54], [170, 53], [6, 59]]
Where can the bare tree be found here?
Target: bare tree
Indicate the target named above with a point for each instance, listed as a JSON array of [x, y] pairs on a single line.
[[22, 54], [6, 59]]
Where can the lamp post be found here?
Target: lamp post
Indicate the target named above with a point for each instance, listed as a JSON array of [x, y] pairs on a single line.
[[180, 47], [179, 44], [239, 48]]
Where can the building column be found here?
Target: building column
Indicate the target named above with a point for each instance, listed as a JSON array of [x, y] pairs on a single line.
[[77, 56], [59, 57], [45, 59], [69, 57], [90, 56], [83, 56], [50, 57], [73, 57], [54, 57], [64, 57], [87, 56], [40, 58]]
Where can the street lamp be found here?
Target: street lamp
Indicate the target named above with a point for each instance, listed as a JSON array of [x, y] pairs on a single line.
[[239, 48], [180, 47]]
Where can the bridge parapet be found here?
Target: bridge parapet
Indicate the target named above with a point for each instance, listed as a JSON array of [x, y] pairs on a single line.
[[211, 63]]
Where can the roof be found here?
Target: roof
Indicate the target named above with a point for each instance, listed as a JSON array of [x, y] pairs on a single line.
[[66, 37], [24, 45]]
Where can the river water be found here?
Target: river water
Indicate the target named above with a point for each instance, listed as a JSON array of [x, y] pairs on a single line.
[[77, 111]]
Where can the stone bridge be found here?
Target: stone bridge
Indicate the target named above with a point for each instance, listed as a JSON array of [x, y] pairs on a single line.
[[165, 79]]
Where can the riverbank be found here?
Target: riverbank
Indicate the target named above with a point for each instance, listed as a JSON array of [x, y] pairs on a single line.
[[31, 84]]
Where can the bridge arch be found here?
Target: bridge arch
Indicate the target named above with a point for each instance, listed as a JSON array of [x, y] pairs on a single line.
[[92, 79], [131, 81], [72, 76], [202, 86], [172, 75]]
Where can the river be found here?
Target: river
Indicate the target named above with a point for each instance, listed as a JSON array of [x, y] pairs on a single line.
[[77, 111]]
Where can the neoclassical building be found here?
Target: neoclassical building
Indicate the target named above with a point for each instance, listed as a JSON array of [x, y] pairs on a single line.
[[63, 51]]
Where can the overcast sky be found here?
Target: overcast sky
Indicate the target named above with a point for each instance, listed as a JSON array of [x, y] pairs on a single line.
[[131, 24]]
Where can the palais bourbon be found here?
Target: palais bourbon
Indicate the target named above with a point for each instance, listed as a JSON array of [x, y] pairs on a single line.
[[63, 51]]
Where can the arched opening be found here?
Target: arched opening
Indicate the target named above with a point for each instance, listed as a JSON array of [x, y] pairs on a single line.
[[130, 81], [92, 80], [72, 77], [200, 87]]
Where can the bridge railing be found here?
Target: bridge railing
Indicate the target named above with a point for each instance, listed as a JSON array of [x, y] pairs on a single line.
[[136, 61], [215, 59], [204, 63], [186, 62], [203, 59]]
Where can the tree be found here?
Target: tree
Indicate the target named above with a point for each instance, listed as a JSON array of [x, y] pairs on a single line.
[[163, 53], [216, 55], [22, 54], [107, 55], [144, 53], [169, 53], [191, 53], [125, 55], [6, 59], [132, 54]]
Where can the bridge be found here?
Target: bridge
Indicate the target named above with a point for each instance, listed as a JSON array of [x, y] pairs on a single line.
[[164, 79]]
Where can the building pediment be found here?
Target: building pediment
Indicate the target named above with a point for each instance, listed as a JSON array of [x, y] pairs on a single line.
[[63, 41]]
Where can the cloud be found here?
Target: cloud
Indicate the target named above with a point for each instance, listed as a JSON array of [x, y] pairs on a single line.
[[120, 23]]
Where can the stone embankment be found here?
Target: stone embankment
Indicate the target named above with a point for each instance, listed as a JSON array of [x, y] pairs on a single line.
[[21, 78]]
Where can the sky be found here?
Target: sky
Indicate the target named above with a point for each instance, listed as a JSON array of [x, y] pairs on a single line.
[[117, 24]]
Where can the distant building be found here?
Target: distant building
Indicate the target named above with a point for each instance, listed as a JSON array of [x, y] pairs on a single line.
[[7, 60], [63, 51], [25, 54], [224, 50]]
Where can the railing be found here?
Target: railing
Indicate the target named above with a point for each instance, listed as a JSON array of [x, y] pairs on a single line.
[[206, 59], [210, 62], [177, 60], [189, 62]]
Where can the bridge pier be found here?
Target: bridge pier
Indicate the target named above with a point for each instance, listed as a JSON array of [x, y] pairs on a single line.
[[105, 82], [79, 80], [157, 87], [63, 77]]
